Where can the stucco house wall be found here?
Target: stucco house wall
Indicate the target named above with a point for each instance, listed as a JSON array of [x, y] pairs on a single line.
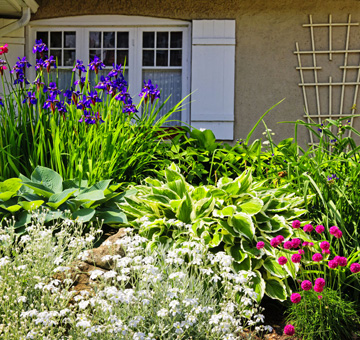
[[266, 32]]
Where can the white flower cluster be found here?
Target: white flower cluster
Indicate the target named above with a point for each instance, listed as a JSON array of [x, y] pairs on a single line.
[[164, 294]]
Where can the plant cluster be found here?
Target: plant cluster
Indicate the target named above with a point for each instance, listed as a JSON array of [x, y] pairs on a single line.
[[167, 294]]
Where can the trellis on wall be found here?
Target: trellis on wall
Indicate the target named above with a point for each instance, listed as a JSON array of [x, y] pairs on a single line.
[[318, 87]]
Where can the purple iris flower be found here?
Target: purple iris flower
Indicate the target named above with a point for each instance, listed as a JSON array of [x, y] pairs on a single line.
[[48, 62], [40, 64], [52, 88], [50, 102], [93, 97], [20, 79], [21, 65], [123, 95], [38, 83], [1, 102], [149, 91], [31, 98], [39, 47], [104, 83], [119, 83], [68, 95], [75, 96], [129, 107], [80, 82], [96, 65], [79, 66], [60, 105], [84, 104], [114, 72]]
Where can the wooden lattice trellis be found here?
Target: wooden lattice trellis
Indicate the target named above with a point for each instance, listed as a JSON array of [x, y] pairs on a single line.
[[323, 114]]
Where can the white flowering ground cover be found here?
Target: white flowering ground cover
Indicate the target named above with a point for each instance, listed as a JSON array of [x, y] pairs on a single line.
[[180, 293]]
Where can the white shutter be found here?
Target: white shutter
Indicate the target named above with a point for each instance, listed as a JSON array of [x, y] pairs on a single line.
[[213, 76]]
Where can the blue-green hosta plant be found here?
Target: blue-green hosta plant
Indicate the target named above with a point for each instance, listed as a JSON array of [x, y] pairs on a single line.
[[232, 216], [63, 199]]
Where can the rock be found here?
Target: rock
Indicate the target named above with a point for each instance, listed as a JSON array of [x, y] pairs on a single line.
[[98, 256]]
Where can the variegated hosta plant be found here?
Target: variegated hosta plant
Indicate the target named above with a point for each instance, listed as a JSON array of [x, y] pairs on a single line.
[[232, 216]]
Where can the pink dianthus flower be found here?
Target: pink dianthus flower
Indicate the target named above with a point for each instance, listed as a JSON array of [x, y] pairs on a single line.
[[333, 230], [306, 285], [280, 238], [355, 268], [308, 228], [288, 245], [333, 264], [325, 245], [296, 258], [274, 242], [260, 245], [296, 224], [342, 261], [301, 251], [320, 229], [317, 257], [326, 252], [318, 289], [296, 243], [289, 330], [338, 234], [295, 298], [282, 260], [320, 282]]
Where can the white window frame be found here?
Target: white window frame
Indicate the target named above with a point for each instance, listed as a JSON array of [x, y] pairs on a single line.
[[135, 25]]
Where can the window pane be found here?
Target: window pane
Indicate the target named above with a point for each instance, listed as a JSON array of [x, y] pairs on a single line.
[[56, 39], [122, 57], [148, 39], [93, 53], [169, 83], [69, 38], [148, 58], [109, 39], [122, 39], [95, 39], [69, 57], [44, 36], [162, 58], [109, 57], [175, 57], [162, 39], [57, 54], [176, 39]]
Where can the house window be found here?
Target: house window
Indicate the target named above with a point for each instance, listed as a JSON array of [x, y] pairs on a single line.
[[161, 53]]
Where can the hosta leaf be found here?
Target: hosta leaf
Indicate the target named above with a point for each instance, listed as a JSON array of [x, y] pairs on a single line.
[[10, 208], [178, 187], [112, 217], [172, 195], [243, 225], [159, 199], [39, 189], [243, 265], [48, 178], [231, 186], [22, 219], [258, 285], [249, 249], [100, 186], [227, 211], [54, 215], [216, 239], [83, 215], [202, 208], [245, 180], [271, 265], [153, 182], [5, 196], [236, 252], [57, 199], [225, 225], [184, 210], [275, 289], [91, 196], [199, 193], [251, 206], [11, 185], [30, 206], [277, 223]]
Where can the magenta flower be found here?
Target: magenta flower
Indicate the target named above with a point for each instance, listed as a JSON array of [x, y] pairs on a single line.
[[296, 243], [318, 289], [333, 264], [306, 285], [289, 330], [295, 298], [304, 244], [333, 230], [355, 268], [326, 252], [296, 224], [296, 258], [342, 261], [320, 297], [274, 242], [280, 238], [320, 229], [320, 282], [308, 228], [325, 245], [260, 245], [282, 260], [317, 257], [338, 234], [288, 245], [301, 252]]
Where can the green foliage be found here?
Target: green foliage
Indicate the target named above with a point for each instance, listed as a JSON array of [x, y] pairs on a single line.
[[330, 318], [63, 199], [232, 216]]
